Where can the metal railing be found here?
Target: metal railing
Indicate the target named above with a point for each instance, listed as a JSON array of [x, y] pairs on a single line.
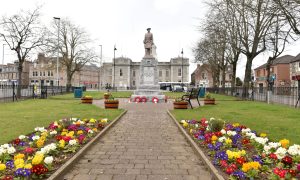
[[278, 95], [8, 93]]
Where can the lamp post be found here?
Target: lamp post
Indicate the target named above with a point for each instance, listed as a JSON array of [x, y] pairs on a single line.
[[114, 66], [100, 62], [2, 73], [57, 58], [182, 67]]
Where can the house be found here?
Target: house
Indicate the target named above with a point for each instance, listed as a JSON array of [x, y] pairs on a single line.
[[279, 72], [9, 73], [295, 71]]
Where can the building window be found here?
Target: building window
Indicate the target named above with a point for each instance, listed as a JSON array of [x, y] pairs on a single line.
[[40, 73], [299, 65], [44, 73], [121, 72], [160, 73], [230, 76], [33, 73], [179, 71], [133, 83], [203, 75], [133, 73], [49, 74], [167, 73]]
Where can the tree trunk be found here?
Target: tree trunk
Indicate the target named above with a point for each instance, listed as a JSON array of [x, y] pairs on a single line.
[[20, 71], [69, 80], [233, 77], [247, 78]]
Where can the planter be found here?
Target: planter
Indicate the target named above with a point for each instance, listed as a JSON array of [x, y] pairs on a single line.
[[209, 101], [87, 100], [106, 96], [180, 105], [111, 104]]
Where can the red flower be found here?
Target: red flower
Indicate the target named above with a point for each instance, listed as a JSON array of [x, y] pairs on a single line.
[[8, 178], [223, 163], [287, 160], [59, 137], [233, 166], [229, 170], [241, 160], [280, 172], [39, 169], [17, 141], [245, 141], [273, 156], [66, 138], [292, 172], [219, 134], [29, 150]]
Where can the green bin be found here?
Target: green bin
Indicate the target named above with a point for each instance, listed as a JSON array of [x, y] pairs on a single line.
[[202, 92], [77, 93]]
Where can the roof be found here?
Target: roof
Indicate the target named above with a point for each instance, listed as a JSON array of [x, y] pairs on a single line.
[[297, 58], [286, 59]]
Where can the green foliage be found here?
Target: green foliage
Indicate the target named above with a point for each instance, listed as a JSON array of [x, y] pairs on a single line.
[[216, 125], [208, 96]]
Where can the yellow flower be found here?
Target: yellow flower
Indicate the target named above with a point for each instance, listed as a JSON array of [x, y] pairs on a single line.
[[63, 133], [44, 134], [19, 156], [263, 135], [104, 120], [235, 154], [37, 159], [185, 124], [92, 120], [214, 138], [19, 163], [64, 130], [236, 124], [228, 141], [70, 134], [62, 143], [2, 167], [284, 143], [28, 166], [79, 132], [40, 142], [95, 129], [250, 165]]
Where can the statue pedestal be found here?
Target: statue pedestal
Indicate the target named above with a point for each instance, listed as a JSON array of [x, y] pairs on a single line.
[[148, 85]]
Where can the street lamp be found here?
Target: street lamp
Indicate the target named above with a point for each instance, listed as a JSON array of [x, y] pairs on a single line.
[[57, 58], [182, 67], [100, 62], [114, 65]]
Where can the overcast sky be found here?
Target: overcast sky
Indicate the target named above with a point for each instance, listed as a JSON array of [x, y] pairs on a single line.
[[174, 25]]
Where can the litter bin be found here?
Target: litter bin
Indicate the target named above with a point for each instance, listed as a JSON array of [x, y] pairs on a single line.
[[77, 93], [202, 92]]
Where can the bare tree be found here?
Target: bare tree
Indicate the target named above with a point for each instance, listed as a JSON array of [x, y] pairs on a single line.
[[23, 33], [74, 47]]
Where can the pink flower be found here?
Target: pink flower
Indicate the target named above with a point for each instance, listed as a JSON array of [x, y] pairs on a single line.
[[298, 167]]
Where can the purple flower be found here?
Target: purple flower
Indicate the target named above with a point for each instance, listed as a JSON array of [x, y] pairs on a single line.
[[10, 164], [257, 158], [221, 155], [22, 143], [210, 146], [229, 126], [218, 146], [72, 127], [23, 172], [201, 137], [239, 174]]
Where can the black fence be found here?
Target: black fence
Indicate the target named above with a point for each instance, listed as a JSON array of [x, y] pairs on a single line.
[[8, 93], [278, 95]]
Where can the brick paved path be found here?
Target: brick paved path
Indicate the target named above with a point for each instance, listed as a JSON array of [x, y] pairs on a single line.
[[144, 144]]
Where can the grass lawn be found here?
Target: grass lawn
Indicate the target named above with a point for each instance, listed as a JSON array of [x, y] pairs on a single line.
[[278, 121], [174, 95], [95, 95], [22, 117]]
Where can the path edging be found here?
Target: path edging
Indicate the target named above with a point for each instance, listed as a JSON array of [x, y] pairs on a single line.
[[67, 165], [214, 172]]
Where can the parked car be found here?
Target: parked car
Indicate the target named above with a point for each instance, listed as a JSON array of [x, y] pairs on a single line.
[[178, 88]]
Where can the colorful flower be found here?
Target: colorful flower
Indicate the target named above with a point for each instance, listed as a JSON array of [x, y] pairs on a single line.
[[250, 165], [284, 143], [37, 159], [2, 167]]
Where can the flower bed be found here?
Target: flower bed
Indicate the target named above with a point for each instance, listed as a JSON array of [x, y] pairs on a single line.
[[241, 153], [40, 153]]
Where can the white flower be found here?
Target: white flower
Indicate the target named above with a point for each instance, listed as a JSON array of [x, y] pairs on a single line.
[[182, 121], [48, 160], [35, 137], [91, 131], [5, 146], [196, 125], [223, 131], [72, 142], [280, 152], [222, 139], [53, 132], [251, 135], [294, 150], [74, 119], [246, 130], [267, 149], [39, 152], [2, 151], [41, 129], [261, 140], [274, 145], [231, 133], [206, 122], [11, 150], [22, 137]]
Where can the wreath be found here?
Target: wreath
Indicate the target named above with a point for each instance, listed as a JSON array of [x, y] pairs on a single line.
[[155, 99], [137, 99], [143, 99]]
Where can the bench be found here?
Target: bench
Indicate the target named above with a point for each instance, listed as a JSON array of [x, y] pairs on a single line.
[[193, 94]]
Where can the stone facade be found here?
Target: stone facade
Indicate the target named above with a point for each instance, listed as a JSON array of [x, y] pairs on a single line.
[[9, 73], [127, 72], [43, 71]]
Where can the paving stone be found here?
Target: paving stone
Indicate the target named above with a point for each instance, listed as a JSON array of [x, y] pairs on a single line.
[[143, 144]]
